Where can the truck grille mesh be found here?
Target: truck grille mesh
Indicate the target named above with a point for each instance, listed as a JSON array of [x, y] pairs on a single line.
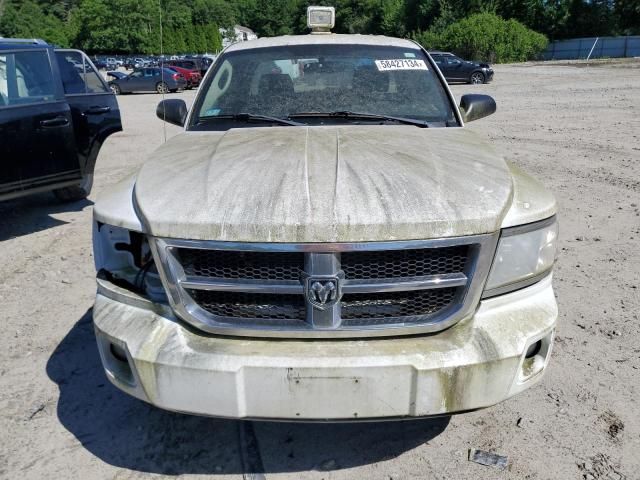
[[253, 291], [365, 306], [250, 305], [404, 263], [241, 265]]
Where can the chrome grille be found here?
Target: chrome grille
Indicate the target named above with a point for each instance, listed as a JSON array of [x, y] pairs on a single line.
[[324, 290]]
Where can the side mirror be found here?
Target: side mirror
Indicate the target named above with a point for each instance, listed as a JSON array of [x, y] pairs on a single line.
[[173, 111], [474, 106]]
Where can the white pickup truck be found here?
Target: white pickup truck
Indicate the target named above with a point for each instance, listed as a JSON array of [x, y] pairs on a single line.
[[325, 242]]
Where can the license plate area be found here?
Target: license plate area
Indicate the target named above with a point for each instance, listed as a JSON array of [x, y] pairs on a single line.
[[331, 393]]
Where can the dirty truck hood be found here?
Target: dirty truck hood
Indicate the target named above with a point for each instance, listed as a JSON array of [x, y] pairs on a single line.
[[323, 184]]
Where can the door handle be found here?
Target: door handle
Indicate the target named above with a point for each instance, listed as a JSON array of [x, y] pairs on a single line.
[[97, 110], [54, 122]]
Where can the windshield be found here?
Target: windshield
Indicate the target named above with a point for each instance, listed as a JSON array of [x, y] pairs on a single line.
[[292, 80]]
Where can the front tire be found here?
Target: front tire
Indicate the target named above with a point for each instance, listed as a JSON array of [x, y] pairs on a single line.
[[75, 192], [115, 89], [476, 78], [162, 87]]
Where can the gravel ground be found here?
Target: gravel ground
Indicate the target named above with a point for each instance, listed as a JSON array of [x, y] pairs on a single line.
[[576, 129]]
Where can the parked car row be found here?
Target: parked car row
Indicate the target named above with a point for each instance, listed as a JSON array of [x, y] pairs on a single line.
[[192, 62], [161, 80], [112, 63]]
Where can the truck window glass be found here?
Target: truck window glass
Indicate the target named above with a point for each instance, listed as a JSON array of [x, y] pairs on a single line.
[[280, 81], [25, 77], [4, 90], [78, 76], [218, 87], [92, 79]]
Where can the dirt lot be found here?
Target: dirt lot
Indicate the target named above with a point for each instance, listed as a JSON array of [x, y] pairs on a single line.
[[577, 129]]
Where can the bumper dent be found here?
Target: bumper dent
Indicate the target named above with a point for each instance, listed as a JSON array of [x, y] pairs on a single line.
[[476, 363]]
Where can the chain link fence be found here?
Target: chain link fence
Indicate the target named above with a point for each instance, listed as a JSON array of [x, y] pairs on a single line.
[[594, 47]]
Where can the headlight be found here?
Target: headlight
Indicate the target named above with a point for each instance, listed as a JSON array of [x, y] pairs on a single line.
[[124, 257], [524, 255]]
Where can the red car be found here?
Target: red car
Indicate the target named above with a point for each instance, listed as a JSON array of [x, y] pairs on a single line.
[[193, 77]]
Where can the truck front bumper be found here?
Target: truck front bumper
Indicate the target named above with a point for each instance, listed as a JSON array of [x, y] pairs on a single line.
[[480, 361]]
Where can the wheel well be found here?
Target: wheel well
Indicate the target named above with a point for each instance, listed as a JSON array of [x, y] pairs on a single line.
[[90, 164]]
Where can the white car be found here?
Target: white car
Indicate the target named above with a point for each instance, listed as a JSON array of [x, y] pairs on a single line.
[[328, 243]]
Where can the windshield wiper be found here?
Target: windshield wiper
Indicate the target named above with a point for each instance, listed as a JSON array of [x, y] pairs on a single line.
[[251, 117], [364, 116]]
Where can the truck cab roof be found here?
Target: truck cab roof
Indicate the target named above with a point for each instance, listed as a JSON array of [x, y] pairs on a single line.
[[323, 39]]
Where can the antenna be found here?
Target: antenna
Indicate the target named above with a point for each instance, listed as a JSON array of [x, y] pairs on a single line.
[[164, 108]]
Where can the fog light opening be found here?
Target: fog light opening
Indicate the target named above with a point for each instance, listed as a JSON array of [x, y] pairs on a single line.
[[533, 349], [118, 352], [535, 358], [119, 365]]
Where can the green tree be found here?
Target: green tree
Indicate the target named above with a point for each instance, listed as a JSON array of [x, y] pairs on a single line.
[[214, 39], [27, 19], [548, 16], [419, 15], [220, 12], [274, 17], [627, 13], [392, 18], [133, 26], [116, 26], [590, 19], [486, 36]]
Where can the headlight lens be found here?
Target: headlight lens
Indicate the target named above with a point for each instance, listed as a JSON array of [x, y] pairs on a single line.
[[524, 253]]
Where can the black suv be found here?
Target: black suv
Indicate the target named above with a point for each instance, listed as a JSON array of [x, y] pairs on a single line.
[[455, 69], [55, 113]]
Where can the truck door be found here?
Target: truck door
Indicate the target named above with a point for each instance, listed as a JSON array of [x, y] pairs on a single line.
[[37, 146], [94, 107]]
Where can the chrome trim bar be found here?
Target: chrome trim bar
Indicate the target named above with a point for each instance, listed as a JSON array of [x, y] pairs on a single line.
[[218, 284], [323, 247], [406, 284], [350, 286], [323, 259]]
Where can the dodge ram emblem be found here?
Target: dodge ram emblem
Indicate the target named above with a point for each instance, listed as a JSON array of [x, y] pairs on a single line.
[[322, 291]]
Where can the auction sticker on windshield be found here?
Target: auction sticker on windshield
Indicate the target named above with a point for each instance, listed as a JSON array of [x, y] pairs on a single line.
[[401, 64]]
